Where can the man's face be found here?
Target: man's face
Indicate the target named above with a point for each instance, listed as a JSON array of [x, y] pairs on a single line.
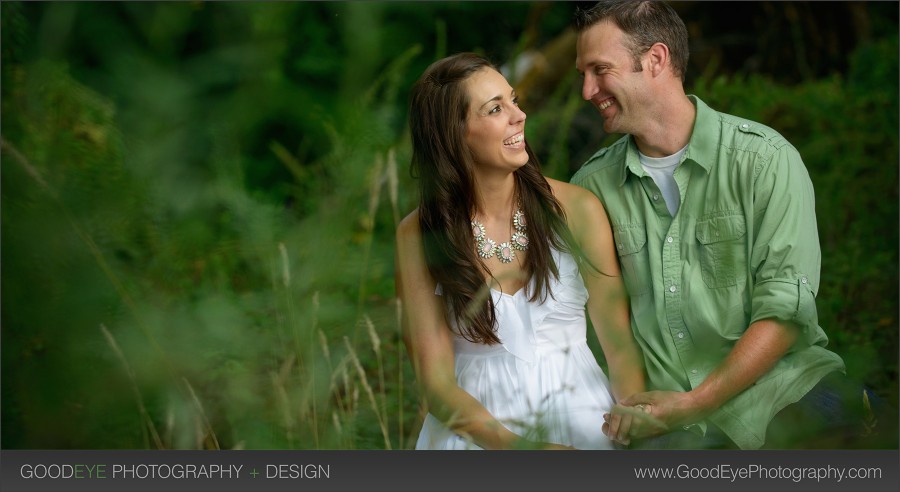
[[611, 82]]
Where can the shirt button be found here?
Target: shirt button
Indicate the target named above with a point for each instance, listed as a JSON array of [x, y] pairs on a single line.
[[745, 126], [803, 280], [686, 427], [619, 246], [680, 334], [693, 371], [669, 239], [655, 197], [672, 289]]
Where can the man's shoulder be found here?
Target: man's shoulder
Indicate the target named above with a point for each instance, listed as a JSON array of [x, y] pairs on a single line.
[[745, 134], [759, 145], [604, 160]]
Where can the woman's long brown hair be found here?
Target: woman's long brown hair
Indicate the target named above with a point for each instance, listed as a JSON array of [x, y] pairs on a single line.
[[444, 167]]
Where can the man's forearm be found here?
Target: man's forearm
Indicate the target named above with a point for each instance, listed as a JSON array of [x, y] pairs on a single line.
[[758, 350]]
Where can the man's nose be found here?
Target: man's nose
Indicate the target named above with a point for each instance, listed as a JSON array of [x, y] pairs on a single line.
[[588, 87]]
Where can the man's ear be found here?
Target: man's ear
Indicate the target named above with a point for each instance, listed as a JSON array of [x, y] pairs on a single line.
[[657, 58]]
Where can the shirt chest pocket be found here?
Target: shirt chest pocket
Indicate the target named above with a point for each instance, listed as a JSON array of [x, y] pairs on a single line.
[[723, 253], [631, 246]]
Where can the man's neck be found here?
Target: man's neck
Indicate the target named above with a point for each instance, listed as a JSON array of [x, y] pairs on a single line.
[[670, 128]]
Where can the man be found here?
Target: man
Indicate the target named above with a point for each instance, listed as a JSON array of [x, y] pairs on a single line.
[[715, 228]]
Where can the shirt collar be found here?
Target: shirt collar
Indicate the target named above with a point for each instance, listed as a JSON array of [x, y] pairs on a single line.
[[632, 162], [701, 148], [704, 143]]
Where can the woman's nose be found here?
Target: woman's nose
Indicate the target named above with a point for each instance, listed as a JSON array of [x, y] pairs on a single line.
[[518, 115]]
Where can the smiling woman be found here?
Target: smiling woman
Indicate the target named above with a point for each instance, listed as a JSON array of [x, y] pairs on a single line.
[[496, 128], [497, 333]]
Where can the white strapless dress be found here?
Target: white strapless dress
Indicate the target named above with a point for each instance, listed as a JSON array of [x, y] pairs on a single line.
[[542, 381]]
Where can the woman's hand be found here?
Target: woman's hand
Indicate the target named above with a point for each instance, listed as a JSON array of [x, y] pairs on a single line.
[[632, 420]]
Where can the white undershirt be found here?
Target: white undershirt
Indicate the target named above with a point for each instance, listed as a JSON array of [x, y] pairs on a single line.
[[662, 170]]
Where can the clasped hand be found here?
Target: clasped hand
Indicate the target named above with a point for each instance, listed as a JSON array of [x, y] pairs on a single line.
[[648, 414]]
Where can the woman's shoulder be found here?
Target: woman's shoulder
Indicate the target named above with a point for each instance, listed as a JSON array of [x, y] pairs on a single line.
[[409, 228], [574, 198]]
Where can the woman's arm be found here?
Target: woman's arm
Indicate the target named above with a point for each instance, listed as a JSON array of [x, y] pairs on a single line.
[[430, 345], [608, 302]]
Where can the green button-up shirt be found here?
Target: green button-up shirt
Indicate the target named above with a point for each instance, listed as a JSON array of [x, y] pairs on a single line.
[[742, 247]]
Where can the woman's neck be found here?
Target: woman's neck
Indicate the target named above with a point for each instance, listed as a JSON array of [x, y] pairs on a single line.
[[496, 196]]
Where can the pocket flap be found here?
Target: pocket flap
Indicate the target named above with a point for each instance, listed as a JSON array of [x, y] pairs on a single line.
[[718, 229], [629, 240]]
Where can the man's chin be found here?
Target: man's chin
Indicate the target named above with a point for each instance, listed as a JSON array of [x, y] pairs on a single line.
[[608, 127]]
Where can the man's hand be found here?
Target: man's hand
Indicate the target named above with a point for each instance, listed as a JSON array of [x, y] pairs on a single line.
[[650, 414], [625, 422]]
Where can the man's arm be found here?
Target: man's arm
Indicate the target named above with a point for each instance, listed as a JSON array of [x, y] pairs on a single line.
[[754, 354], [784, 263]]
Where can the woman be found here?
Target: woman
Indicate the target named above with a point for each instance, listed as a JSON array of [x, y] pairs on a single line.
[[493, 272]]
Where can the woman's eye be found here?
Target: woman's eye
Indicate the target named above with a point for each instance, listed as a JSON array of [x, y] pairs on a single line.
[[516, 100], [495, 109]]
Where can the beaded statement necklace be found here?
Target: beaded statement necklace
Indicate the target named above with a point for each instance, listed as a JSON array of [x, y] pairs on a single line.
[[506, 252]]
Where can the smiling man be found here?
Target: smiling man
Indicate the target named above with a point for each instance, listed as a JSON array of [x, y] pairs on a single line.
[[715, 228]]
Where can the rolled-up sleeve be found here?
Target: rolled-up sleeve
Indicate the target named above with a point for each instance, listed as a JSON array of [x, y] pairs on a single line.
[[785, 256]]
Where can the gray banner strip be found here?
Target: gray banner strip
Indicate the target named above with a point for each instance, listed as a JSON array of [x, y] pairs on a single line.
[[469, 471]]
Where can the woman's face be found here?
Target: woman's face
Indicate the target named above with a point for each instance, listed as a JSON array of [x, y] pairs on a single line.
[[495, 126]]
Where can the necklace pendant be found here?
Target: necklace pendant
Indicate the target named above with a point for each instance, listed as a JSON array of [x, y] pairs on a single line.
[[486, 248], [505, 253], [519, 221], [519, 241], [478, 231]]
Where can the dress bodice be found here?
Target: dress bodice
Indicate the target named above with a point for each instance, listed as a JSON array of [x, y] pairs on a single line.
[[542, 381], [526, 328]]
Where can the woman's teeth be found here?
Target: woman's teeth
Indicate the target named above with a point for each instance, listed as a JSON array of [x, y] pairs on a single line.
[[514, 140]]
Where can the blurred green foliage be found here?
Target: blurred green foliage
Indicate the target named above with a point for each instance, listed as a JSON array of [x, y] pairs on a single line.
[[846, 128], [198, 205]]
